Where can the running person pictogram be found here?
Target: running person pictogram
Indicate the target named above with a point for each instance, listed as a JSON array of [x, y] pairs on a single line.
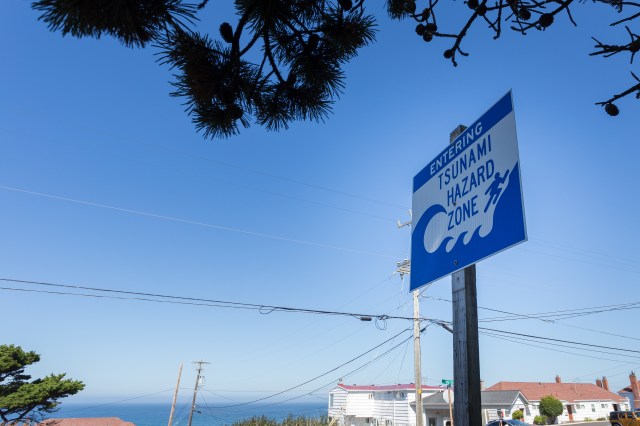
[[494, 189]]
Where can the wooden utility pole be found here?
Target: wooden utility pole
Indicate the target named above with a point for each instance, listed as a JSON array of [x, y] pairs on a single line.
[[195, 389], [416, 356], [450, 409], [175, 396], [467, 407]]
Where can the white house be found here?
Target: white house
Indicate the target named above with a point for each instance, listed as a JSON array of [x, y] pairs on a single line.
[[581, 401], [498, 404], [392, 405], [632, 392], [395, 405], [380, 405]]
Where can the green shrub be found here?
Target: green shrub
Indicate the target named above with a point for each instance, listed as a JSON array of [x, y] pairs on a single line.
[[289, 421], [588, 419], [551, 407], [540, 420], [517, 415], [601, 419]]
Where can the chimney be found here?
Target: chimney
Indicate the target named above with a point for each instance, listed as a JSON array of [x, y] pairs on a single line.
[[599, 383], [482, 387], [635, 390], [558, 379], [605, 383]]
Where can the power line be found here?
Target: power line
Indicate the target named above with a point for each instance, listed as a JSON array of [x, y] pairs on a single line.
[[513, 340], [551, 317], [594, 309], [116, 402], [559, 340], [587, 253], [203, 224], [352, 371], [447, 326], [258, 172], [333, 381], [320, 375], [282, 178], [263, 309]]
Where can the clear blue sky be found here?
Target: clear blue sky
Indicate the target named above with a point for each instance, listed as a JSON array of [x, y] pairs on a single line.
[[91, 121]]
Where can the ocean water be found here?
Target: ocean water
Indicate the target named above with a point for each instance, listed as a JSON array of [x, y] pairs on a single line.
[[208, 414]]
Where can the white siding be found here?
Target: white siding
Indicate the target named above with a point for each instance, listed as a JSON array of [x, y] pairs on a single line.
[[581, 410], [359, 404], [338, 397], [391, 408], [380, 408]]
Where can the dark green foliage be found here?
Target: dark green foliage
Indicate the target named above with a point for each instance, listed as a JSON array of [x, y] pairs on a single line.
[[218, 89], [524, 14], [289, 421], [297, 48], [133, 22], [346, 4], [517, 415], [304, 44], [611, 109], [540, 420], [297, 79], [19, 396], [551, 407], [546, 19], [226, 32]]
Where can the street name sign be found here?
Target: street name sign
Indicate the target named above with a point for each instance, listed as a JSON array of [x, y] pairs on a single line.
[[467, 202], [447, 382]]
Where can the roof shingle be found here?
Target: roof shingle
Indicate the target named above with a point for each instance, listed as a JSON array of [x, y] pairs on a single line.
[[570, 392]]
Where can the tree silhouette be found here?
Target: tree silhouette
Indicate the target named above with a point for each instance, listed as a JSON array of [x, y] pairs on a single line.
[[283, 59], [22, 399]]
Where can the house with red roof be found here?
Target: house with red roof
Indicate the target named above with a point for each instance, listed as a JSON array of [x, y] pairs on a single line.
[[581, 401], [632, 391]]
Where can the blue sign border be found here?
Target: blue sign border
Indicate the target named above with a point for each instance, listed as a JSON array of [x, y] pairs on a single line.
[[509, 214]]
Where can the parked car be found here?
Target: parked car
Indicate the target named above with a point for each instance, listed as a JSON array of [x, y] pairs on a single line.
[[509, 422], [624, 418]]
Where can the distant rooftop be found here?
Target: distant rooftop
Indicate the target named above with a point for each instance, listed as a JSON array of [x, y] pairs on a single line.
[[570, 392], [399, 387]]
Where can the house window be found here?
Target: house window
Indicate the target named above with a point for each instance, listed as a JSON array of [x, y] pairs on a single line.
[[331, 400], [370, 397], [604, 405], [593, 408], [367, 420]]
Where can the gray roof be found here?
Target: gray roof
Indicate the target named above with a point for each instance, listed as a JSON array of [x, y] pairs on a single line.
[[437, 399], [503, 397], [497, 399]]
